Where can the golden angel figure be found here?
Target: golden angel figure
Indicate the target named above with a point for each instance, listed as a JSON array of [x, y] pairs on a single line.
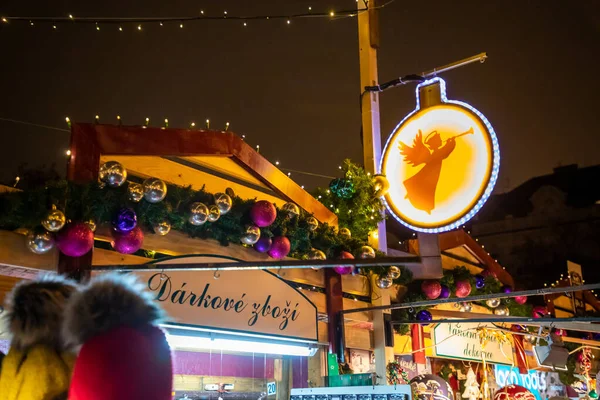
[[421, 187]]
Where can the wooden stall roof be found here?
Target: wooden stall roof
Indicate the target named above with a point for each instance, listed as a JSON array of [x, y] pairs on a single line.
[[214, 159]]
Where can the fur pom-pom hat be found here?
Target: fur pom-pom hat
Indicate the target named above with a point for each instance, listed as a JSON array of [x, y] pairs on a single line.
[[124, 354], [35, 311]]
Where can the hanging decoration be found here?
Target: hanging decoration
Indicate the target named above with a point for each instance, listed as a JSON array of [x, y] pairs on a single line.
[[381, 185], [384, 282], [40, 242], [506, 289], [251, 236], [263, 213], [280, 247], [396, 375], [75, 239], [428, 386], [492, 303], [367, 252], [291, 209], [128, 242], [463, 288], [263, 244], [432, 289], [125, 220], [345, 233], [112, 174], [312, 224], [539, 312], [513, 392], [445, 292], [135, 191], [155, 190], [464, 306], [342, 188], [223, 201], [424, 316], [502, 310], [520, 299], [213, 213], [54, 221], [91, 224], [162, 228], [479, 281], [344, 269], [316, 254], [471, 391], [198, 214], [394, 272]]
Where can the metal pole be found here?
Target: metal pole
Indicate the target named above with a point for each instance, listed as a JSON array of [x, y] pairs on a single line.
[[481, 57], [428, 303]]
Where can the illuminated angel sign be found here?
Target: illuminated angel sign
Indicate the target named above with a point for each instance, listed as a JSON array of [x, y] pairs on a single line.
[[441, 162]]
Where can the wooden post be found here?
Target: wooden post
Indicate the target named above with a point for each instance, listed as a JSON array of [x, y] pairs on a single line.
[[335, 304], [368, 41]]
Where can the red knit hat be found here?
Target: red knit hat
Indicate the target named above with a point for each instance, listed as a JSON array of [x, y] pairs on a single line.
[[124, 355]]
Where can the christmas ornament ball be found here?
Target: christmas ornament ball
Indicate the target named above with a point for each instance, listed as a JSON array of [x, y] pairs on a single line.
[[431, 289], [92, 224], [513, 392], [155, 190], [367, 252], [75, 239], [506, 289], [345, 233], [198, 214], [381, 185], [251, 236], [316, 254], [479, 281], [162, 227], [40, 242], [464, 306], [312, 223], [520, 299], [135, 191], [124, 220], [394, 272], [501, 310], [263, 213], [539, 312], [344, 269], [128, 242], [493, 303], [280, 247], [487, 273], [213, 213], [54, 221], [463, 288], [429, 386], [291, 209], [384, 282], [424, 315], [223, 201], [263, 244], [112, 173], [342, 188], [445, 292]]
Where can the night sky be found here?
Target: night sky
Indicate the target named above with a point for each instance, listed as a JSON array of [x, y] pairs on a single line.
[[294, 88]]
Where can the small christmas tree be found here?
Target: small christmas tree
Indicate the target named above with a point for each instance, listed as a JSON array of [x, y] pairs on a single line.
[[471, 386]]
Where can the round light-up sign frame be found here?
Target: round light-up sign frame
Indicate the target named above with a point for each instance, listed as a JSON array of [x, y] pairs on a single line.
[[442, 162]]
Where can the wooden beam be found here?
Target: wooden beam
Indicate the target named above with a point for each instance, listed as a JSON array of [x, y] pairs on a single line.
[[93, 140], [17, 260]]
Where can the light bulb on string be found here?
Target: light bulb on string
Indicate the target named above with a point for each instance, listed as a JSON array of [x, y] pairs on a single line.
[[31, 23], [208, 124], [245, 24], [4, 20], [166, 123], [192, 125], [161, 24], [68, 153], [309, 8], [68, 121], [181, 25], [97, 119], [97, 27], [243, 137], [53, 26], [119, 119], [289, 21], [202, 12], [139, 27], [276, 162], [331, 14], [70, 16], [226, 126], [147, 122], [120, 29]]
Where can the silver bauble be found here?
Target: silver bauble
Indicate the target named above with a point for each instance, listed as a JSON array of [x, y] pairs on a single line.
[[384, 282], [155, 190], [198, 214], [312, 223], [223, 201], [394, 272], [345, 233], [162, 227], [251, 236], [213, 213], [91, 224], [316, 254], [367, 252], [112, 173], [40, 242], [501, 311], [291, 209], [492, 303], [465, 307], [135, 191], [54, 221]]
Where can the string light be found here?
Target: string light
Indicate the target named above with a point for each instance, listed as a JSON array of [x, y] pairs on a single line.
[[166, 123], [245, 24], [192, 125], [208, 124], [181, 25], [97, 118], [309, 8], [331, 14], [4, 20], [120, 29], [97, 27], [119, 119], [226, 126], [276, 162], [139, 27], [53, 26], [68, 121], [68, 153], [70, 16], [147, 122], [289, 21]]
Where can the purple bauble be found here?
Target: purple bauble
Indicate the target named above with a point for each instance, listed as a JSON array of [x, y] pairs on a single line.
[[424, 315], [75, 239], [263, 213], [445, 292], [263, 245], [344, 269], [280, 247], [125, 220], [506, 289], [128, 242], [479, 281]]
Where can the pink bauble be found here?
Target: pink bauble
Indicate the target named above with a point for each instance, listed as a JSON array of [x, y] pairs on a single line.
[[128, 242], [513, 392], [487, 273], [75, 239], [432, 289], [263, 213], [280, 247], [344, 269], [521, 299], [463, 289], [539, 312]]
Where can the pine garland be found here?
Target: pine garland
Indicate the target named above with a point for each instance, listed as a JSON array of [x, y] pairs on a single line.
[[93, 201]]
